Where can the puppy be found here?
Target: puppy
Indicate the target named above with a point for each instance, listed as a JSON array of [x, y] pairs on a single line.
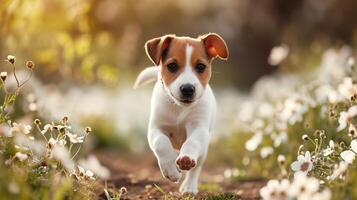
[[183, 106]]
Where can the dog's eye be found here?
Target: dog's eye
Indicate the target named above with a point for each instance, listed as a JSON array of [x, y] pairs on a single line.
[[173, 67], [200, 68]]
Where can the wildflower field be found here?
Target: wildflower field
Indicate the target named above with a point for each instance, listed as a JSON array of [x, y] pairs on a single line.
[[72, 126]]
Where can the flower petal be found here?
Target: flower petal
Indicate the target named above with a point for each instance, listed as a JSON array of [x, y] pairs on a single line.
[[301, 158], [307, 156], [354, 145], [348, 156], [352, 111], [295, 166]]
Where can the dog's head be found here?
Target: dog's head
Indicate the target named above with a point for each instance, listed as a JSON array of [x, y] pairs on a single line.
[[185, 63]]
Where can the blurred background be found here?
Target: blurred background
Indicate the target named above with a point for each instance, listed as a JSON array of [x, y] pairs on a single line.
[[88, 53]]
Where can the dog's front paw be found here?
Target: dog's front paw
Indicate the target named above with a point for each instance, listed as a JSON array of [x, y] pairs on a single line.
[[169, 170], [189, 187], [185, 162]]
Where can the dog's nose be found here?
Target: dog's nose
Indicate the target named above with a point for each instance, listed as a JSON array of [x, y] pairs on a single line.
[[187, 90]]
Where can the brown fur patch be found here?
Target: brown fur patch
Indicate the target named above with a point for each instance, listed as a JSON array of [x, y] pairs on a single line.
[[177, 53]]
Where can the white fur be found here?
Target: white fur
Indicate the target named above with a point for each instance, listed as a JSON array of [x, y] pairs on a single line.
[[146, 76], [189, 125], [186, 77]]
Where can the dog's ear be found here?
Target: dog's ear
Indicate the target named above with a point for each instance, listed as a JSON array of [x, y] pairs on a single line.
[[215, 46], [156, 47]]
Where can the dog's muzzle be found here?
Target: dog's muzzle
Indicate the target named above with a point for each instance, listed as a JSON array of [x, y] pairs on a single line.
[[187, 93]]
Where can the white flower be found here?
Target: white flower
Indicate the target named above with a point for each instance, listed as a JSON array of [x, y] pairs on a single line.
[[352, 130], [23, 142], [347, 88], [5, 130], [52, 143], [338, 171], [62, 142], [293, 110], [303, 187], [46, 128], [324, 195], [62, 155], [3, 75], [73, 138], [303, 163], [266, 151], [92, 163], [85, 173], [346, 117], [350, 155], [280, 138], [11, 59], [275, 190], [20, 128], [330, 149], [278, 54], [228, 173], [254, 142], [21, 156]]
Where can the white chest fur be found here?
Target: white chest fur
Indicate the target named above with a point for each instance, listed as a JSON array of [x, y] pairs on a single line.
[[176, 121]]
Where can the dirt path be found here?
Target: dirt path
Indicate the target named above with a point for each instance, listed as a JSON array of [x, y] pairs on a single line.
[[139, 174]]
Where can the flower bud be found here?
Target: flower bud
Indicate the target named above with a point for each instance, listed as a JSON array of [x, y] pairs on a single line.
[[281, 159], [37, 122], [30, 64], [88, 129], [352, 130], [64, 120], [305, 137], [11, 59], [123, 190], [3, 76]]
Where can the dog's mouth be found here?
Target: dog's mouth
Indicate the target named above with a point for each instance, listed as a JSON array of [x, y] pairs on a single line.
[[186, 101]]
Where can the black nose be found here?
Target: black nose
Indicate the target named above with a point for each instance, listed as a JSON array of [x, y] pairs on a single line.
[[187, 90]]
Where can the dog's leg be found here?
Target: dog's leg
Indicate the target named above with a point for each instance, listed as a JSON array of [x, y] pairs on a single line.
[[190, 183], [191, 157], [165, 154]]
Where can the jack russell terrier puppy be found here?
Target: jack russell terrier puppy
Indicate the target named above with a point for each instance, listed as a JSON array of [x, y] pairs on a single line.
[[183, 106]]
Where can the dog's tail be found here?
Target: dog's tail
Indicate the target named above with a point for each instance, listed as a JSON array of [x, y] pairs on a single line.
[[146, 76]]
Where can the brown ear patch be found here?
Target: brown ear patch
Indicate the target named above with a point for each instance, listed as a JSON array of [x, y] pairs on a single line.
[[215, 46], [156, 47]]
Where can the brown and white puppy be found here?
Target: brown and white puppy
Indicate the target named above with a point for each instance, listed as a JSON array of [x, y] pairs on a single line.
[[183, 106]]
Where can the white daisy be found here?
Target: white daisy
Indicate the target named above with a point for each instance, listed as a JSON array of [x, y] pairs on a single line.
[[266, 151], [21, 156], [93, 164], [330, 149], [62, 155], [46, 128], [338, 171], [324, 195], [278, 54], [20, 128], [275, 190], [52, 143], [350, 155], [346, 117], [3, 75], [303, 186], [303, 163], [254, 142], [73, 138], [347, 88]]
